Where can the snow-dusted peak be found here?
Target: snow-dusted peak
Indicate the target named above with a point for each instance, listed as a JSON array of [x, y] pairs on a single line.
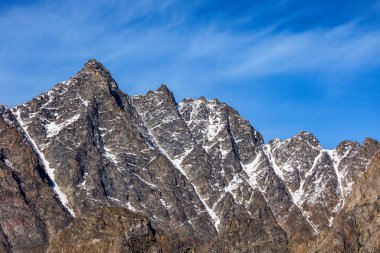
[[94, 76], [319, 180], [163, 89], [95, 66], [308, 138], [221, 130], [196, 168], [162, 96], [346, 145], [275, 142]]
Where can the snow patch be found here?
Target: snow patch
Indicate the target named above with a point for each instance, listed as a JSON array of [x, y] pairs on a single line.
[[331, 221], [233, 184], [9, 164], [144, 181], [52, 129], [65, 82], [210, 211], [83, 184], [165, 204], [49, 170], [114, 199], [268, 152], [131, 208], [84, 102], [111, 157], [251, 170], [299, 195], [336, 161], [177, 164]]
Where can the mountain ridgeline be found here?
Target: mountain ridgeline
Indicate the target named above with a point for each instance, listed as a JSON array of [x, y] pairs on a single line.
[[88, 168]]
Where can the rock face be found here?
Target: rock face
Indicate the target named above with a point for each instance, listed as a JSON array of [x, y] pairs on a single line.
[[90, 169], [356, 228], [30, 211], [107, 230]]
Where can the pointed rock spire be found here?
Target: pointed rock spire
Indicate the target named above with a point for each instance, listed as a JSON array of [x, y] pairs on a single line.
[[93, 68], [94, 65], [167, 94], [308, 137], [163, 88]]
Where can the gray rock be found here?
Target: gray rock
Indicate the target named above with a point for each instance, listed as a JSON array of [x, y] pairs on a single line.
[[198, 175]]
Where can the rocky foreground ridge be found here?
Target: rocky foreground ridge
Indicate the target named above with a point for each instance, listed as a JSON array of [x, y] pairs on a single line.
[[88, 168]]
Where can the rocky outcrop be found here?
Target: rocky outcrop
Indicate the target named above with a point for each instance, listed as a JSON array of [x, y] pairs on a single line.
[[222, 185], [357, 227], [30, 211], [237, 150], [102, 154], [107, 230], [145, 173], [319, 180]]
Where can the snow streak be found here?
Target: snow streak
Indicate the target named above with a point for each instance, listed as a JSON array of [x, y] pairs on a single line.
[[50, 171]]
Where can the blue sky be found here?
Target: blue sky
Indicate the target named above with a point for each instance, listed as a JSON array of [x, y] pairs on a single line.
[[285, 65]]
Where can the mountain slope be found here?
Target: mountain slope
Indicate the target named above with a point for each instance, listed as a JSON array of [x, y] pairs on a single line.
[[30, 211], [356, 228], [197, 170], [103, 155]]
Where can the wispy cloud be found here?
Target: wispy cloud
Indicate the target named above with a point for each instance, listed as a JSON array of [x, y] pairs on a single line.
[[343, 48], [157, 39], [196, 47]]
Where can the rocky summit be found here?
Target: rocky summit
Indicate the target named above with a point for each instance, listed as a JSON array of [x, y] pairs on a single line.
[[87, 168]]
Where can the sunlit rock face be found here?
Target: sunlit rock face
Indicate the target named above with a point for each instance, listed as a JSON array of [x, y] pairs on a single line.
[[356, 228], [195, 175]]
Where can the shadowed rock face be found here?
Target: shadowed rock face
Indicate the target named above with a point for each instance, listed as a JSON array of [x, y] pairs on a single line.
[[196, 175], [30, 211]]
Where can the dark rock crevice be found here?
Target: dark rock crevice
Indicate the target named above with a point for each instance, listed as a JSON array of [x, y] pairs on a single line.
[[5, 244], [118, 99]]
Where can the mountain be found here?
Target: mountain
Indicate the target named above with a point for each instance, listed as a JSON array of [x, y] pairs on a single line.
[[356, 228], [30, 212], [88, 168]]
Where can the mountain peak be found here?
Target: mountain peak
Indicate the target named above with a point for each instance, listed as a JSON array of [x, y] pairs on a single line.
[[164, 91], [202, 98], [163, 88], [369, 141], [94, 73], [307, 137], [93, 66]]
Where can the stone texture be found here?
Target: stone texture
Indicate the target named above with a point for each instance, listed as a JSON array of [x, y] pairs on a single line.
[[229, 198], [103, 154], [357, 227], [88, 168], [107, 230], [30, 212]]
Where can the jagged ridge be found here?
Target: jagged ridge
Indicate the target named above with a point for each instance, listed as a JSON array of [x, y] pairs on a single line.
[[197, 169]]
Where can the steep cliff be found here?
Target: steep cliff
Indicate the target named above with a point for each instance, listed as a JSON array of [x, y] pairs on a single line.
[[86, 167]]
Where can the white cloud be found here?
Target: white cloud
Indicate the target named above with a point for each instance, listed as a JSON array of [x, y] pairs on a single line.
[[148, 42]]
